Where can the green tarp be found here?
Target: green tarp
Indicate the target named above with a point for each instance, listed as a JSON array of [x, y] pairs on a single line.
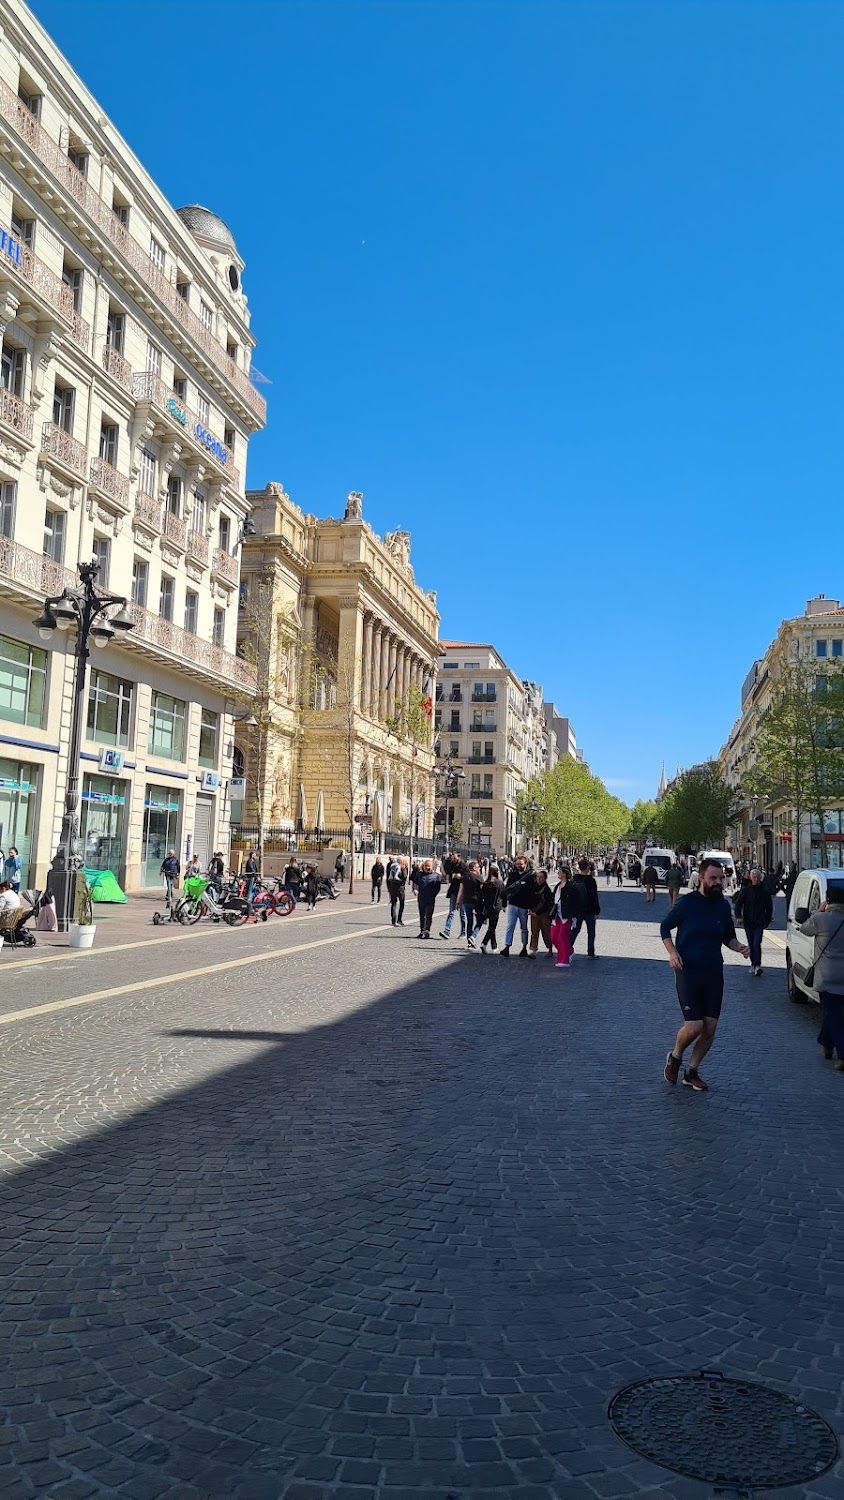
[[104, 886]]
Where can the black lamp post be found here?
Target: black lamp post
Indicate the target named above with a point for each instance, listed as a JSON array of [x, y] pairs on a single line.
[[86, 607], [451, 787], [533, 807]]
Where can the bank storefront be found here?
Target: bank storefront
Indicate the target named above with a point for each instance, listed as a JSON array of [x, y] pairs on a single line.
[[162, 829], [103, 821], [19, 783]]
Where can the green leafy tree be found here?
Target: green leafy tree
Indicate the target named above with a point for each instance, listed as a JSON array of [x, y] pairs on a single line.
[[574, 807], [644, 822], [697, 807], [411, 725], [799, 749]]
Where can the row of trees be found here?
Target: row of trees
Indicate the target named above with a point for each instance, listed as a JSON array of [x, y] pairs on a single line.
[[573, 806], [696, 810]]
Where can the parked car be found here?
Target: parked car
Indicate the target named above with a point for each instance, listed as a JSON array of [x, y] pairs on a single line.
[[811, 889]]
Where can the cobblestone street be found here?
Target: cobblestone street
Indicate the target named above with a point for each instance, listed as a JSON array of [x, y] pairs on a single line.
[[361, 1216]]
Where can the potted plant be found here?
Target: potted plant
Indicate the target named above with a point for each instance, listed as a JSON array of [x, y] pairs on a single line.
[[83, 927]]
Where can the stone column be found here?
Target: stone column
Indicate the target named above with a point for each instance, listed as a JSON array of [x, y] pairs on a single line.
[[350, 649], [375, 694], [382, 709], [366, 675]]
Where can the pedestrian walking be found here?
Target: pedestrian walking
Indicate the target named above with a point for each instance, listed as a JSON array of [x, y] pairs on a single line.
[[673, 880], [636, 871], [649, 880], [569, 903], [453, 874], [396, 883], [541, 913], [703, 922], [377, 878], [754, 908], [340, 867], [293, 878], [826, 926], [517, 898], [311, 888], [216, 870], [468, 898], [618, 869], [12, 869], [608, 869], [170, 869], [252, 871], [591, 907], [427, 885], [490, 907]]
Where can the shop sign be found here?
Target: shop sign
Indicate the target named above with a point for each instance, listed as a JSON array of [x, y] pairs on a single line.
[[7, 785], [108, 797], [209, 781], [176, 411], [10, 247], [213, 444], [161, 806], [111, 760], [237, 787]]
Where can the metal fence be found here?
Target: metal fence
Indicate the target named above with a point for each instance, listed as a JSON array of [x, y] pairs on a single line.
[[312, 840]]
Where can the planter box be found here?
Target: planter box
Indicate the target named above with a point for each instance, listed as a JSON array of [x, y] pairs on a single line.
[[82, 937]]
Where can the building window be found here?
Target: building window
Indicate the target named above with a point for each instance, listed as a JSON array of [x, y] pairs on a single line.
[[63, 403], [450, 666], [140, 582], [109, 439], [147, 471], [109, 709], [820, 648], [231, 350], [101, 549], [837, 648], [23, 685], [180, 388], [455, 746], [183, 288], [482, 817], [12, 368], [116, 329], [224, 535], [218, 631], [167, 727], [174, 495], [153, 358], [78, 157], [167, 597], [8, 500], [208, 739], [54, 531], [229, 438], [191, 612], [23, 229], [72, 277], [203, 409], [121, 211], [199, 513], [30, 96], [156, 253], [206, 316]]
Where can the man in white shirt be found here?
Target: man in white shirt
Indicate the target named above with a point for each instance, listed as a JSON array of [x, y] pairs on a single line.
[[9, 899]]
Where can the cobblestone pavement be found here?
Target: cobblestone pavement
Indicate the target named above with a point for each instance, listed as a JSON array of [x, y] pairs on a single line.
[[371, 1217]]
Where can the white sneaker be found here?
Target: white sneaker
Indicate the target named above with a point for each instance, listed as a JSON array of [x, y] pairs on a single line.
[[563, 966]]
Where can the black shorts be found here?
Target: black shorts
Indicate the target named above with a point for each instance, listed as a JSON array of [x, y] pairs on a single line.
[[700, 993]]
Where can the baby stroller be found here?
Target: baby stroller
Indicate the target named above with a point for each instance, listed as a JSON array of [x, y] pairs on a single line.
[[13, 923]]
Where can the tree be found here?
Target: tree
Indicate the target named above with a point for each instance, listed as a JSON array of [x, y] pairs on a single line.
[[697, 808], [799, 757], [574, 806], [644, 822]]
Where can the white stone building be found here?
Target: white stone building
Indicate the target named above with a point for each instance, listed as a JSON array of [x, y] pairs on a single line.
[[126, 409]]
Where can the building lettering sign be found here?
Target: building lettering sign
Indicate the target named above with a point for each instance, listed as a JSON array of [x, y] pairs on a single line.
[[8, 785], [111, 760], [213, 444], [176, 411], [161, 806], [209, 781], [237, 787], [10, 247], [107, 797]]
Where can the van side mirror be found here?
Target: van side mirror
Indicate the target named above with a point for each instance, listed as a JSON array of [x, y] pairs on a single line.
[[801, 914]]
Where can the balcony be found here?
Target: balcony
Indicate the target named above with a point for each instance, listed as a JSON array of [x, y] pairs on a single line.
[[191, 654], [175, 530], [488, 697], [487, 794], [148, 510], [58, 444], [27, 573], [118, 367], [15, 413], [198, 548], [455, 727], [113, 486], [48, 288], [480, 760], [27, 128], [149, 387], [224, 565], [455, 696], [484, 728]]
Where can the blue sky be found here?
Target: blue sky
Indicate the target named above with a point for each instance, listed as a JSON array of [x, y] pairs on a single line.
[[557, 286]]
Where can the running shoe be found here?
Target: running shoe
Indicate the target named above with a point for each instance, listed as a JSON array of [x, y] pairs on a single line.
[[671, 1071], [445, 935], [562, 966], [471, 942], [693, 1080]]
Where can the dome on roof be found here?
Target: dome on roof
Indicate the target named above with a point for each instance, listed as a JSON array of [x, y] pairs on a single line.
[[206, 226]]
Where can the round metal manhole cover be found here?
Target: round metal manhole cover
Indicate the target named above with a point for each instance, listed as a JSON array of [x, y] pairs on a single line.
[[724, 1431]]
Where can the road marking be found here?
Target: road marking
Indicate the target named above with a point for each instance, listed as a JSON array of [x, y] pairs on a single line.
[[774, 939], [175, 937], [149, 984]]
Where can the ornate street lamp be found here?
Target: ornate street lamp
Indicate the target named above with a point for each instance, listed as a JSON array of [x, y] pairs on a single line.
[[87, 608]]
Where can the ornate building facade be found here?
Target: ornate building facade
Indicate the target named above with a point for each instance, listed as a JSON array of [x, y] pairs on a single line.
[[346, 640]]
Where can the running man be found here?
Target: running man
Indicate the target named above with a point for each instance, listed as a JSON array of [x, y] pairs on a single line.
[[703, 922]]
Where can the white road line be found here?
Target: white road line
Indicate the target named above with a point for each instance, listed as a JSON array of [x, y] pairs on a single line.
[[151, 984], [174, 937]]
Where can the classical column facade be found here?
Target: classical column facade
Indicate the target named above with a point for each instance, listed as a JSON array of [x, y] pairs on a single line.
[[366, 671]]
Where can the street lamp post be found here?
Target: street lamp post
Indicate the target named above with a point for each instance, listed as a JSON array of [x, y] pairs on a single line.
[[86, 607]]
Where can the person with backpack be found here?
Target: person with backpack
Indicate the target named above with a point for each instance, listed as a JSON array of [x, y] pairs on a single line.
[[396, 883], [490, 906]]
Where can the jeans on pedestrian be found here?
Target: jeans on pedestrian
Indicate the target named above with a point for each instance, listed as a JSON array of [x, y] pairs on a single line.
[[516, 914], [452, 908], [589, 923], [396, 889], [468, 918], [831, 1034], [754, 943], [169, 881], [426, 912]]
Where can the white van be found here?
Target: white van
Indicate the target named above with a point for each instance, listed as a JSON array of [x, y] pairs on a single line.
[[811, 888], [725, 858], [661, 860]]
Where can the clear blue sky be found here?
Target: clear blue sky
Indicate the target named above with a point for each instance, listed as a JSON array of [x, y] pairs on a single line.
[[558, 286]]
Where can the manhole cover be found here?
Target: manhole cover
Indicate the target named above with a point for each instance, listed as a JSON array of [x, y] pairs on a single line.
[[724, 1431]]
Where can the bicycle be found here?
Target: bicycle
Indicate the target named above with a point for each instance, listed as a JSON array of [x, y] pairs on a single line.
[[201, 899], [273, 900]]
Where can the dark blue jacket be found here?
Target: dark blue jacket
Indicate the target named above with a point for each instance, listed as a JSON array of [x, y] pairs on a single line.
[[427, 885], [702, 925]]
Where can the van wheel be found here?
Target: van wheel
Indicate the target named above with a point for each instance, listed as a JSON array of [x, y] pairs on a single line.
[[795, 994]]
